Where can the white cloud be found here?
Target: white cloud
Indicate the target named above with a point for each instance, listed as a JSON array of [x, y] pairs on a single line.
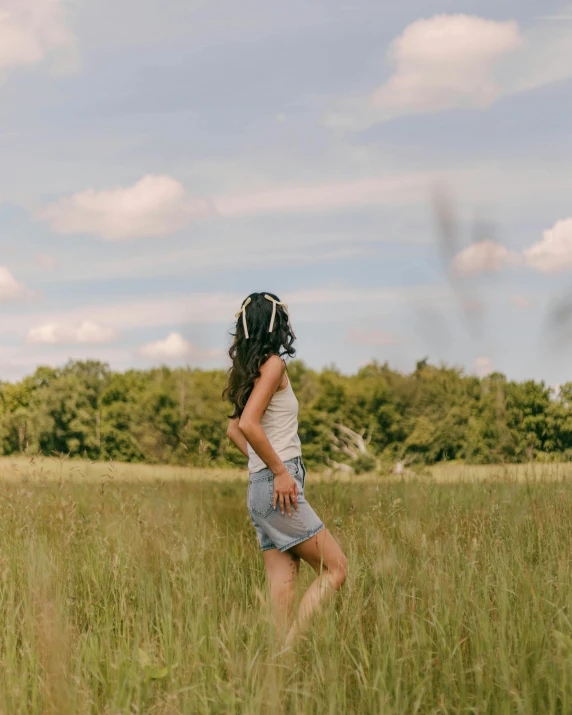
[[199, 308], [484, 256], [86, 332], [159, 205], [47, 333], [174, 346], [372, 337], [460, 61], [444, 62], [554, 253], [399, 188], [10, 288], [483, 366], [32, 31], [316, 304], [154, 206], [90, 332]]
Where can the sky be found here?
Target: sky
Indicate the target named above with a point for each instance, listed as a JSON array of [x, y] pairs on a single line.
[[398, 173]]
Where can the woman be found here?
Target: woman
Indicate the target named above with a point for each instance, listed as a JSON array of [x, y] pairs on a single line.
[[264, 426]]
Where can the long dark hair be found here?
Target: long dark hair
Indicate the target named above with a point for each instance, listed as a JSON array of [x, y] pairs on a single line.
[[248, 354]]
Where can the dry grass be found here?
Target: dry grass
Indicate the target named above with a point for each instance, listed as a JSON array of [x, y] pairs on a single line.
[[141, 589], [54, 469]]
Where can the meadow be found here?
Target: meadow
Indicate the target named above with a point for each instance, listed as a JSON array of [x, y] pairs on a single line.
[[140, 589]]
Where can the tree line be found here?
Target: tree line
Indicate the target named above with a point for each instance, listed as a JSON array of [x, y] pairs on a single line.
[[177, 416]]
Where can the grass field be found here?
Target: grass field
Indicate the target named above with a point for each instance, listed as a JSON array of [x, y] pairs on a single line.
[[49, 469], [140, 589]]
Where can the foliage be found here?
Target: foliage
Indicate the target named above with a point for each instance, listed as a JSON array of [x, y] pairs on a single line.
[[177, 416]]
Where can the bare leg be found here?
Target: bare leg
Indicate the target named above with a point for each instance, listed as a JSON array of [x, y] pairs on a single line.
[[328, 561], [282, 573]]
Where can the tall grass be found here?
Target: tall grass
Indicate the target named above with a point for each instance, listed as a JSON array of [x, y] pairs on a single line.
[[149, 597]]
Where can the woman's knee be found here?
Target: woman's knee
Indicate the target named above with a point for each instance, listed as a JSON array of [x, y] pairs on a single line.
[[338, 572], [342, 572]]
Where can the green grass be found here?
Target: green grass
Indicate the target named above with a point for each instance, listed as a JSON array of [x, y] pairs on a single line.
[[142, 590]]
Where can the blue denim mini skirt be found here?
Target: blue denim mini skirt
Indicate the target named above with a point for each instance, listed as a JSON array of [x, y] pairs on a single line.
[[274, 529]]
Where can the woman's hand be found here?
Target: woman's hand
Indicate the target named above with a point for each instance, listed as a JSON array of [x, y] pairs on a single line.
[[285, 491]]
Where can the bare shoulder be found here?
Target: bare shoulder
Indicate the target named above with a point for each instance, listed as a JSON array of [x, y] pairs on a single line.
[[274, 367]]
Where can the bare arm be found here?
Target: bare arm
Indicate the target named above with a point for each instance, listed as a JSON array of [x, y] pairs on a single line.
[[271, 373], [235, 435], [250, 422]]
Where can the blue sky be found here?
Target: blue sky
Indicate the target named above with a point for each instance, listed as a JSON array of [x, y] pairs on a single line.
[[161, 160]]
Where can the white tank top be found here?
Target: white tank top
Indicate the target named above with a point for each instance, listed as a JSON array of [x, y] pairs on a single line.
[[280, 424]]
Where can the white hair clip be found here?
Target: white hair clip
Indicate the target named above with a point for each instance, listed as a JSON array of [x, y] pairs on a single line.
[[274, 304], [243, 311]]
